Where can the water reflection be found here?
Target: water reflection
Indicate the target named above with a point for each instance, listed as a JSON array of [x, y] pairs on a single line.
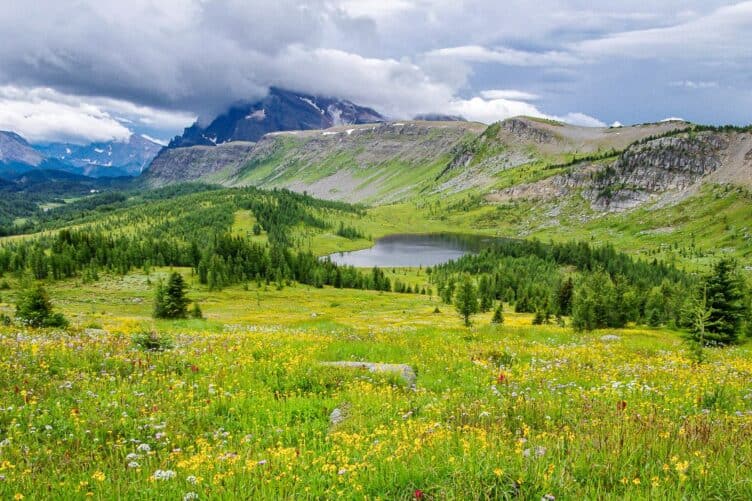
[[412, 250]]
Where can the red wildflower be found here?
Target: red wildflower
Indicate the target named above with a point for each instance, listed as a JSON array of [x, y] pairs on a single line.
[[502, 378], [621, 405], [418, 494]]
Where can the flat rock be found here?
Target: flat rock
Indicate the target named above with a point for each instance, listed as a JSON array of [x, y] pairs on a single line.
[[403, 370]]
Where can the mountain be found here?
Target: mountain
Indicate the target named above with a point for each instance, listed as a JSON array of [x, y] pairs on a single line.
[[109, 159], [62, 183], [394, 161], [16, 154], [375, 162], [280, 110]]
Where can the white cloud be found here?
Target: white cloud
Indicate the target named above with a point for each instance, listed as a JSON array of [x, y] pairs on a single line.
[[720, 36], [398, 56], [376, 8], [38, 119], [45, 115], [488, 111], [517, 95], [673, 119], [692, 84], [504, 55], [160, 142], [579, 119]]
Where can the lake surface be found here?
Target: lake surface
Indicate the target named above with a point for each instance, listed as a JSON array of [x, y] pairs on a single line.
[[412, 250]]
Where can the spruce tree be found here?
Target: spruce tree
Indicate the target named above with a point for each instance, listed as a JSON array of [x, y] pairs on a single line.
[[725, 300], [564, 297], [466, 300], [170, 300], [35, 309], [498, 316]]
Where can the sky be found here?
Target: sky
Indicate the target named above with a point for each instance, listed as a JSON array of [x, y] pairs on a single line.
[[98, 70]]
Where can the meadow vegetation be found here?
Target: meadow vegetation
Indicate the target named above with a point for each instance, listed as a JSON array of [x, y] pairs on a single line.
[[545, 370]]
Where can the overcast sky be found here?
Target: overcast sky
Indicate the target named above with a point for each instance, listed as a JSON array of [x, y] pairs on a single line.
[[85, 70]]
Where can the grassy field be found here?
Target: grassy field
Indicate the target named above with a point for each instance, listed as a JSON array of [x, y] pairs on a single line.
[[239, 407]]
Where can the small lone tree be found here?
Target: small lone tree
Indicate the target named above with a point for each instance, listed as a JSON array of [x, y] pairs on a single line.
[[725, 300], [498, 316], [539, 318], [35, 309], [170, 300], [697, 314], [564, 297], [196, 311], [466, 300]]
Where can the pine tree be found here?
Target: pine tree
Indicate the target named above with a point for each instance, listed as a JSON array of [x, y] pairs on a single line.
[[725, 298], [538, 319], [35, 309], [595, 303], [170, 300], [564, 297], [498, 316], [466, 300], [486, 294]]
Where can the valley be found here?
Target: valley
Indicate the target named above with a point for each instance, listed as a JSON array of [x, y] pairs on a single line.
[[183, 333]]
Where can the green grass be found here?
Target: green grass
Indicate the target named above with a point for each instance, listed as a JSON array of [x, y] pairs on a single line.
[[240, 406]]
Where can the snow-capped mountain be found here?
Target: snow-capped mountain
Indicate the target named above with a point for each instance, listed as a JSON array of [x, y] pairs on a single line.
[[280, 110], [110, 159], [15, 150]]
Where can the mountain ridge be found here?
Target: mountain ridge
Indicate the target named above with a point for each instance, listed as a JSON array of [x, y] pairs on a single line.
[[103, 159], [280, 110]]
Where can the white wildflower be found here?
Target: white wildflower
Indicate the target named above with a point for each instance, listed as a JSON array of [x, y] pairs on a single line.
[[164, 475]]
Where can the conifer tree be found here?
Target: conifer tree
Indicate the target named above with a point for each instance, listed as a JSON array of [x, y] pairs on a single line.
[[170, 300], [725, 300], [498, 316], [466, 300], [35, 309]]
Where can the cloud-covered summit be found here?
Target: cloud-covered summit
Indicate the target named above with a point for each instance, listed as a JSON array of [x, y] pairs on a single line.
[[99, 69]]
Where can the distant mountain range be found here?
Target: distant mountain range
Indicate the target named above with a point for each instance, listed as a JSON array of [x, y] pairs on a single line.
[[280, 110], [110, 159]]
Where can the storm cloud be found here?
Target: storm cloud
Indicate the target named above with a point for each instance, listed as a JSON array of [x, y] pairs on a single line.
[[92, 69]]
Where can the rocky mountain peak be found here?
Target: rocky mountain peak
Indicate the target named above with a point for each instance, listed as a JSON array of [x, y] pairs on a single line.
[[280, 110]]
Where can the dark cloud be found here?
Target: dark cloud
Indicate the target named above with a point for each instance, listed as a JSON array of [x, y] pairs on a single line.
[[611, 60]]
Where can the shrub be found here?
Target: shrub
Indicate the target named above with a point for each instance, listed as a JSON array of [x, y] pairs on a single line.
[[196, 311], [35, 309], [152, 341]]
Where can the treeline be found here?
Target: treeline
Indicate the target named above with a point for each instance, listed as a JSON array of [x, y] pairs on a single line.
[[596, 285], [221, 261], [173, 204]]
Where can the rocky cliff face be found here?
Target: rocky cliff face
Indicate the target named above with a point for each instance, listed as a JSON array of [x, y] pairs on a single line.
[[656, 167], [176, 165], [645, 171], [15, 149]]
